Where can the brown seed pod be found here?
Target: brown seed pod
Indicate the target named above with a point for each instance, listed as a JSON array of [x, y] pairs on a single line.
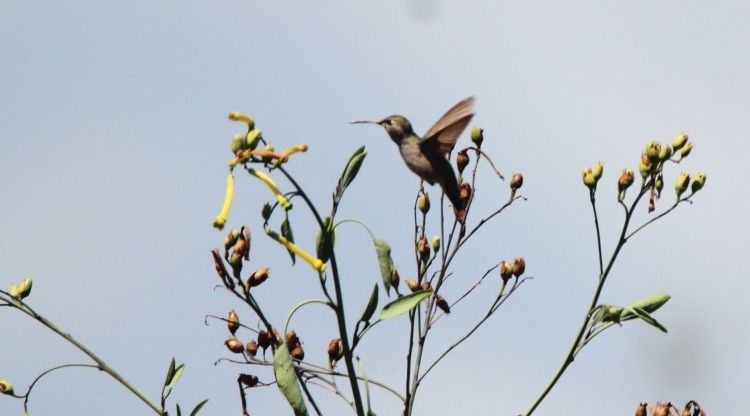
[[252, 348], [233, 322], [248, 379], [443, 304], [298, 353], [519, 266], [235, 345], [516, 181], [264, 340], [292, 340], [258, 277], [462, 160]]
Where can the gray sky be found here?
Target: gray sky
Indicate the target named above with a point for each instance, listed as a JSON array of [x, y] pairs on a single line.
[[114, 150]]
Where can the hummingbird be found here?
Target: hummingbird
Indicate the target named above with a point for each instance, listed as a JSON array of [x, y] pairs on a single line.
[[427, 156]]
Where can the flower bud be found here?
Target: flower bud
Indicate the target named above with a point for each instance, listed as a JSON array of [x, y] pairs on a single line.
[[6, 387], [426, 285], [652, 150], [234, 345], [685, 151], [588, 178], [249, 380], [679, 141], [698, 182], [264, 340], [231, 239], [462, 160], [442, 304], [506, 271], [423, 249], [598, 170], [252, 348], [516, 181], [659, 185], [253, 138], [626, 179], [233, 322], [238, 143], [412, 284], [644, 166], [682, 184], [423, 203], [519, 266], [21, 290], [665, 153], [258, 277], [436, 244], [477, 136]]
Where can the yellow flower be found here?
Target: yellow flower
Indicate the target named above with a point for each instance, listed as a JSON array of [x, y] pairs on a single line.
[[272, 185], [316, 263], [221, 219]]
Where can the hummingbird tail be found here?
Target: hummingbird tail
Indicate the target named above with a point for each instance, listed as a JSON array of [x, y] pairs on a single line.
[[451, 189]]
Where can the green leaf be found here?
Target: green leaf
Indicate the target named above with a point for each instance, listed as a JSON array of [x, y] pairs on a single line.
[[198, 407], [646, 317], [286, 378], [325, 240], [350, 171], [649, 304], [286, 232], [383, 249], [177, 374], [170, 372], [371, 305], [404, 304], [179, 412]]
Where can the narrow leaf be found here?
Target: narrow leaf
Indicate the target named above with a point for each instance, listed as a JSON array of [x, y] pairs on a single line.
[[286, 232], [325, 240], [648, 318], [286, 378], [179, 412], [351, 170], [371, 305], [170, 372], [177, 374], [383, 250], [649, 304], [198, 407], [404, 304]]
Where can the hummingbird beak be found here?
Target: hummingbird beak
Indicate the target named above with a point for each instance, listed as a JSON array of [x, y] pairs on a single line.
[[364, 122]]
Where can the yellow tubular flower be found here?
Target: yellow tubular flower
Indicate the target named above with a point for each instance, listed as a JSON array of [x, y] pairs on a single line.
[[272, 185], [221, 219], [316, 263], [292, 150], [235, 116]]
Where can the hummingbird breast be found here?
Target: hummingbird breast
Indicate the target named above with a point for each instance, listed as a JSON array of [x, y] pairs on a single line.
[[418, 162]]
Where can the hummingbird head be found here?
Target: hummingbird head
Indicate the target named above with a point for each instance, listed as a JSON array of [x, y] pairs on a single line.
[[397, 127]]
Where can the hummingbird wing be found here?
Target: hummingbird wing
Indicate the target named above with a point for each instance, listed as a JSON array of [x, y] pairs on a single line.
[[442, 136]]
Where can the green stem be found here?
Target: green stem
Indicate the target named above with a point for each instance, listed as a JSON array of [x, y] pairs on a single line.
[[101, 364]]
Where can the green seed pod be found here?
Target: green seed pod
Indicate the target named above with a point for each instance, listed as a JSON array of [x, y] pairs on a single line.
[[253, 138], [679, 141], [477, 136], [436, 244], [698, 182], [6, 387], [682, 184], [238, 143], [423, 203], [685, 151]]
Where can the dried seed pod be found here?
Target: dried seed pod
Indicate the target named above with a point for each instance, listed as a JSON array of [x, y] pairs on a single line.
[[412, 284], [395, 278], [423, 248], [426, 285], [465, 193], [252, 348], [248, 379], [462, 160], [516, 181], [641, 410], [292, 340], [298, 353], [506, 271], [264, 340], [258, 277], [233, 322], [519, 266], [235, 345], [442, 304]]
